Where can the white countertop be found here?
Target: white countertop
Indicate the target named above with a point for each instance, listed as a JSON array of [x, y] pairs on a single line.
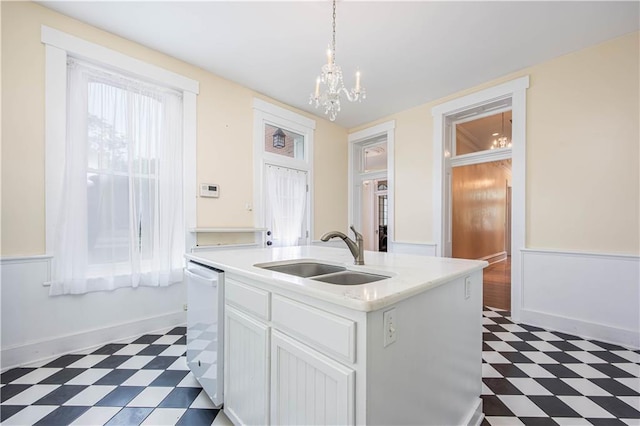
[[410, 274]]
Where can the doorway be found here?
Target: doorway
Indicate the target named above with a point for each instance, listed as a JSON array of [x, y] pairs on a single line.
[[480, 205], [371, 185], [375, 214], [510, 95], [479, 200]]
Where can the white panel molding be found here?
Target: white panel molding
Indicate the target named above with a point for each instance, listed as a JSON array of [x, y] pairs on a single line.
[[584, 329], [24, 259], [372, 131], [586, 254], [475, 416], [189, 178], [481, 157], [218, 247], [592, 295], [95, 52], [43, 259], [283, 113], [424, 249], [44, 350]]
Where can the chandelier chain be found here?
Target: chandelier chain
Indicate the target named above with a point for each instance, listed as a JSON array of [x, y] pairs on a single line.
[[333, 41]]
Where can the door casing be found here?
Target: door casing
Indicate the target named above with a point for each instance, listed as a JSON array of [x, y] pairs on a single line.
[[515, 91]]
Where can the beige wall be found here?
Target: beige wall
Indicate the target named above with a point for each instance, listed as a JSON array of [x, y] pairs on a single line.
[[583, 182], [224, 134]]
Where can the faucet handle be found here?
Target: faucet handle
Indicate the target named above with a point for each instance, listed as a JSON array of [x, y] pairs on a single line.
[[358, 235]]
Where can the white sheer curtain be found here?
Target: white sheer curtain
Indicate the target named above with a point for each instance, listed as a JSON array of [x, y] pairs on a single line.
[[120, 219], [287, 192]]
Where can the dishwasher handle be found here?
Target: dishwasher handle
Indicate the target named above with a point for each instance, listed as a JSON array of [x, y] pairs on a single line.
[[200, 279]]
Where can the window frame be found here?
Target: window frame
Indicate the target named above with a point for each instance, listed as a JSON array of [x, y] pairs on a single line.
[[58, 47]]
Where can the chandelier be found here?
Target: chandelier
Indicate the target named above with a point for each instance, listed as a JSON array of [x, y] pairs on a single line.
[[502, 141], [331, 78]]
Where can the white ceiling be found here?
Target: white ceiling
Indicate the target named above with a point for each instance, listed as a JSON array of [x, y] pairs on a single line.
[[409, 53]]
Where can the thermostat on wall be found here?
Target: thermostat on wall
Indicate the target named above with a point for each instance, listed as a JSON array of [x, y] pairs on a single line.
[[209, 190]]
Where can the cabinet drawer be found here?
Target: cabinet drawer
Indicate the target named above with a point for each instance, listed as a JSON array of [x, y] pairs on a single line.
[[329, 332], [250, 299]]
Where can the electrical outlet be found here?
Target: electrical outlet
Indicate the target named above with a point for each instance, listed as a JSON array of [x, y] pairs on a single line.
[[467, 287], [390, 326], [184, 307]]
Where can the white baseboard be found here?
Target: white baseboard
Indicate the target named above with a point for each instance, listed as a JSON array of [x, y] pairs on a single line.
[[424, 249], [584, 329], [475, 416], [495, 257], [592, 295], [51, 348]]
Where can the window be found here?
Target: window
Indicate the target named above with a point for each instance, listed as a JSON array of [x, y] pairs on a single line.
[[292, 146], [117, 187]]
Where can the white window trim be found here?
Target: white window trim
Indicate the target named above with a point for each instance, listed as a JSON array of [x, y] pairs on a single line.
[[264, 112], [59, 45], [355, 140]]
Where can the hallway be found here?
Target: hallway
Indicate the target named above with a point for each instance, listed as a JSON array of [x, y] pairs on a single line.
[[496, 288]]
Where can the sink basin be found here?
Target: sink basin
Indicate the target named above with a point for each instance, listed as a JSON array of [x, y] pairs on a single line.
[[303, 269], [350, 278]]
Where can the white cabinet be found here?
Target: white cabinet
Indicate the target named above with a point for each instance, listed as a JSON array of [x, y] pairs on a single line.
[[246, 370], [307, 387], [291, 359]]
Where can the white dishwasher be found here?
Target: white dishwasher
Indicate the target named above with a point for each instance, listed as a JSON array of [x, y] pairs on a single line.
[[205, 327]]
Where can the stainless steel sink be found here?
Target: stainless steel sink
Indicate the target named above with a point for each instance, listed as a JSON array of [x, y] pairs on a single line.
[[303, 269], [350, 278], [326, 273]]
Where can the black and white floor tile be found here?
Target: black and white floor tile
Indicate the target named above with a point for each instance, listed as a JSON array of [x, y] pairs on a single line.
[[142, 381], [537, 377], [530, 376]]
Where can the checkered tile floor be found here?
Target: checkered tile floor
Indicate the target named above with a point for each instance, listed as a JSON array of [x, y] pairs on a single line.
[[536, 377], [530, 376], [144, 381]]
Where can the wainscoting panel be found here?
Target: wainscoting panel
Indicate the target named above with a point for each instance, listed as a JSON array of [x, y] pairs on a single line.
[[424, 249], [587, 294], [36, 326]]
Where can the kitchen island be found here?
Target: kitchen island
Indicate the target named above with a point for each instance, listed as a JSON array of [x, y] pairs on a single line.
[[405, 349]]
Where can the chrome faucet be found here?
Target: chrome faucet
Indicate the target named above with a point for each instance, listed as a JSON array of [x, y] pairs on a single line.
[[357, 247]]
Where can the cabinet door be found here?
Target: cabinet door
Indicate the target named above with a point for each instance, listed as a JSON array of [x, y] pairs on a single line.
[[246, 386], [307, 387]]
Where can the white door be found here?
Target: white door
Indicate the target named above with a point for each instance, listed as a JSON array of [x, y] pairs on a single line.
[[246, 369], [307, 387], [286, 206]]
